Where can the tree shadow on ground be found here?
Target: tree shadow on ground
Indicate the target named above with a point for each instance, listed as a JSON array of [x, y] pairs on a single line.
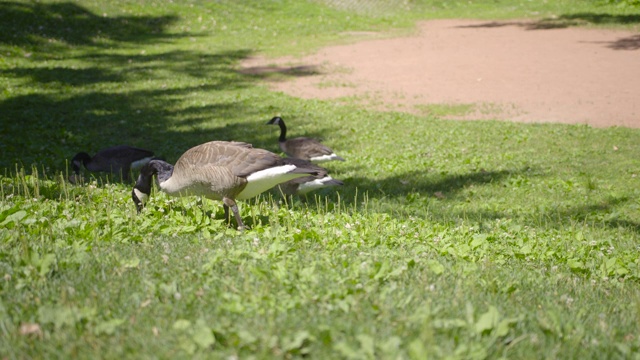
[[423, 182], [409, 193], [98, 103], [62, 75], [603, 18], [420, 194], [627, 43], [597, 214], [564, 21], [274, 72], [36, 24], [48, 131]]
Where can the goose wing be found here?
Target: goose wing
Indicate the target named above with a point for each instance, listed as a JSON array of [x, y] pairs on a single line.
[[117, 158], [306, 148], [123, 152], [240, 158]]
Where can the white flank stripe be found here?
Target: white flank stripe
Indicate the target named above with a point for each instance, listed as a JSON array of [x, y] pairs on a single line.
[[140, 163], [324, 158], [141, 196], [313, 185], [264, 180]]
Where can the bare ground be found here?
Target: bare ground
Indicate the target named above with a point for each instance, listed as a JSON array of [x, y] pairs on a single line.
[[478, 70]]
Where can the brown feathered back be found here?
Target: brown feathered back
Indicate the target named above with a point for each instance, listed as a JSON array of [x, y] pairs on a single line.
[[240, 158], [304, 148]]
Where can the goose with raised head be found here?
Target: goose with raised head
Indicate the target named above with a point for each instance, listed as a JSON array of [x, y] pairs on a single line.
[[303, 147], [218, 170], [118, 160], [303, 185]]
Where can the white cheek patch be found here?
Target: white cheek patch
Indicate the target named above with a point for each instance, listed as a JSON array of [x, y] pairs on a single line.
[[141, 196]]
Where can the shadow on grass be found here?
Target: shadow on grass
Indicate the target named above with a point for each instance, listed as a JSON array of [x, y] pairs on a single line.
[[597, 214], [37, 23], [578, 19], [48, 131], [603, 18], [564, 21], [422, 182], [409, 194], [61, 75], [274, 72], [106, 97], [437, 196]]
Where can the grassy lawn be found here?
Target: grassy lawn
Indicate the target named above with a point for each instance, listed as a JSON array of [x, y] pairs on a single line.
[[450, 239]]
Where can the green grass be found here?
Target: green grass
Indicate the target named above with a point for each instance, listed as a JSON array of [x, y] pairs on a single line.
[[449, 239]]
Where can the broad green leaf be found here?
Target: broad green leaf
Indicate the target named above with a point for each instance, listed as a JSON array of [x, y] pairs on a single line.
[[202, 334], [449, 323], [488, 320], [575, 264], [14, 218], [391, 345], [435, 266], [61, 316], [188, 345], [131, 263], [58, 316], [297, 342], [246, 337], [181, 324], [108, 327], [43, 263], [383, 270], [367, 344], [417, 350], [346, 351], [478, 240], [526, 249], [503, 327]]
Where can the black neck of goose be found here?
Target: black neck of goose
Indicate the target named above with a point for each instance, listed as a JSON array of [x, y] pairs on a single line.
[[76, 167], [283, 131]]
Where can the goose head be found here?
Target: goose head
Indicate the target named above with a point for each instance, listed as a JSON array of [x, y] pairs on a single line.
[[142, 189], [283, 129], [276, 121], [80, 159]]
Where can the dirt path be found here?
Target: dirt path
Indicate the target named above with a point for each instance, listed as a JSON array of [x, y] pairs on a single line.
[[496, 70]]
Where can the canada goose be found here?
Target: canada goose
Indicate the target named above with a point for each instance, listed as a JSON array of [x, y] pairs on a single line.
[[303, 185], [116, 160], [218, 170], [303, 147]]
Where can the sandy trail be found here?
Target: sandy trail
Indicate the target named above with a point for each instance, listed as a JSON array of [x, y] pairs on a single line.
[[507, 70]]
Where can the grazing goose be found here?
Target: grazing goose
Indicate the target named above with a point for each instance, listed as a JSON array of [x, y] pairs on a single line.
[[116, 160], [303, 147], [303, 185], [218, 170]]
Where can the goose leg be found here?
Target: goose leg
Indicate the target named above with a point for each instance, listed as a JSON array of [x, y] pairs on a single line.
[[226, 213], [230, 203]]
